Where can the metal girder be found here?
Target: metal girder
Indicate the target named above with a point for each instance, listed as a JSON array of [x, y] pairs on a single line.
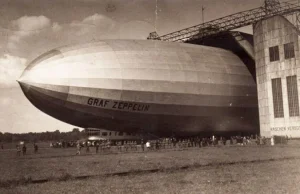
[[271, 5], [227, 23], [153, 35]]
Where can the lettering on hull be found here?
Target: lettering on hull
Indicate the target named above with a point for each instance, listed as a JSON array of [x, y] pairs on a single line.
[[112, 104]]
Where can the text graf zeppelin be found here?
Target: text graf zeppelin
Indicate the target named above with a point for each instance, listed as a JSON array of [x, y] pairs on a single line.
[[120, 105]]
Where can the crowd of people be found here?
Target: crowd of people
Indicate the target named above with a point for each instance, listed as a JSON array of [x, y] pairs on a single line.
[[151, 145], [167, 143], [63, 144], [22, 147]]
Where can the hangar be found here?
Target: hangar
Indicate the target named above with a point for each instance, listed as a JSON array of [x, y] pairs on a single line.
[[271, 55]]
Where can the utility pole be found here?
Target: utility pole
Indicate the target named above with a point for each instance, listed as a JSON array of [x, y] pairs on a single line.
[[203, 8]]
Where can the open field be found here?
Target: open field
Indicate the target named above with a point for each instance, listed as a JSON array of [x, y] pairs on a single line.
[[233, 169]]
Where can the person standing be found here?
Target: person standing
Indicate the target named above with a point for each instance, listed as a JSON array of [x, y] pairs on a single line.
[[142, 145], [213, 140], [244, 141], [148, 146], [174, 141], [156, 145], [87, 147], [97, 147], [35, 146], [78, 148], [264, 141], [24, 149], [18, 150], [272, 140]]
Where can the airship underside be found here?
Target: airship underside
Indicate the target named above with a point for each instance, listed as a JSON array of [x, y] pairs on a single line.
[[151, 86]]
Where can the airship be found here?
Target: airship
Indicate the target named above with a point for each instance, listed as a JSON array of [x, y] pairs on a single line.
[[155, 87]]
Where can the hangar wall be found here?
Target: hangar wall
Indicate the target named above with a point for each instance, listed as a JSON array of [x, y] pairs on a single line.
[[276, 45]]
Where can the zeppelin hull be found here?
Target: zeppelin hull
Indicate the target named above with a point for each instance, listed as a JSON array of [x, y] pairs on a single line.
[[156, 87]]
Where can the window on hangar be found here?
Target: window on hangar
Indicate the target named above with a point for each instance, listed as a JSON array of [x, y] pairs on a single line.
[[289, 51], [277, 98], [274, 53], [293, 101]]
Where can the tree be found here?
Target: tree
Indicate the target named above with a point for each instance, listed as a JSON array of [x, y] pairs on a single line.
[[75, 130]]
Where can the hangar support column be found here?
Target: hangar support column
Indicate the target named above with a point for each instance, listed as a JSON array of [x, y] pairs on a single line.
[[276, 46]]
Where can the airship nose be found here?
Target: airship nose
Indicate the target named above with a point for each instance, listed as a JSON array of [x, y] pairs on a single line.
[[48, 98], [27, 91], [25, 87], [34, 81], [38, 89]]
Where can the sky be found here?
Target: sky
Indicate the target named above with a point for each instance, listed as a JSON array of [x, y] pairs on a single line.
[[29, 28]]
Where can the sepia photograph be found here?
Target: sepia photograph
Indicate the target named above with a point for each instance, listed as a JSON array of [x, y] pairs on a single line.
[[149, 96]]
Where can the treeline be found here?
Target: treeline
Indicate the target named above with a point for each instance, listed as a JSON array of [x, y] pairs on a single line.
[[73, 135]]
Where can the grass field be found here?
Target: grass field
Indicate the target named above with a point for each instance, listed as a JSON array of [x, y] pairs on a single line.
[[233, 169]]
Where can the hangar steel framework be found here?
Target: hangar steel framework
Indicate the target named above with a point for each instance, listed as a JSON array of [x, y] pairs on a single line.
[[231, 22]]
